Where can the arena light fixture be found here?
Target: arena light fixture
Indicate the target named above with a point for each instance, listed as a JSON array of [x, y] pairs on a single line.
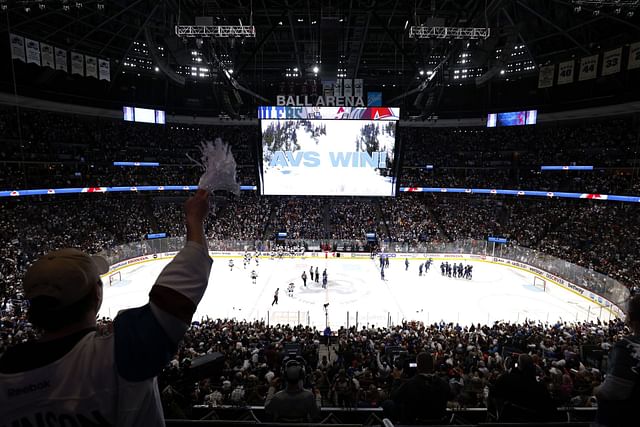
[[424, 32], [216, 31]]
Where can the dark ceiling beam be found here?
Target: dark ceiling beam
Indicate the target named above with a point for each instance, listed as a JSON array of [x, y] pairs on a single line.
[[126, 53], [410, 60], [362, 43], [271, 28], [603, 14], [519, 34], [570, 29], [259, 45], [293, 37], [383, 27], [554, 25], [106, 21]]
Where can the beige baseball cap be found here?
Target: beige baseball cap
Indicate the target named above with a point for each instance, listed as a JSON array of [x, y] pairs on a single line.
[[66, 275]]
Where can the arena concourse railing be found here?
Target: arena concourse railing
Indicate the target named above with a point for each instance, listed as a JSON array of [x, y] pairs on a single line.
[[608, 293]]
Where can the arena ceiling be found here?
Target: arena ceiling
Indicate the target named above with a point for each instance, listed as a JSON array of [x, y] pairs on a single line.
[[350, 38]]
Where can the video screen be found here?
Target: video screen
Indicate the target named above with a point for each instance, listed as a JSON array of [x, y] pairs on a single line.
[[143, 115], [513, 118], [335, 157]]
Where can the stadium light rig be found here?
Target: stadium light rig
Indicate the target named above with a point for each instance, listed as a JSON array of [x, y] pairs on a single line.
[[218, 31], [424, 32]]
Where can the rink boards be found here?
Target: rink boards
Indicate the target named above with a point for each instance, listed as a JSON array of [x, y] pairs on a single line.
[[595, 299]]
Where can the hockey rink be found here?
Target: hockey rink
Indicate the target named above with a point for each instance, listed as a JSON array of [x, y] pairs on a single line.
[[356, 293]]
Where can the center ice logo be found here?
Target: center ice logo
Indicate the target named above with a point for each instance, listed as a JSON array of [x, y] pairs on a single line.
[[311, 159]]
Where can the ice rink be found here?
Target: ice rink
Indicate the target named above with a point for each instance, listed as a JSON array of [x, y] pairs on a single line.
[[355, 292]]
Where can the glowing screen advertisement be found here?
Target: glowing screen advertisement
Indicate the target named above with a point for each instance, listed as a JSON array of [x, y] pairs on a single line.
[[143, 115], [513, 118], [337, 153]]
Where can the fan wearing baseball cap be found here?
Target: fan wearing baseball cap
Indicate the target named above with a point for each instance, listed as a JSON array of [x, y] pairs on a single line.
[[71, 376]]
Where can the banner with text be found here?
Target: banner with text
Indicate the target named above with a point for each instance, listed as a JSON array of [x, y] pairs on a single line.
[[77, 63], [634, 56], [545, 79], [588, 67], [104, 70], [17, 47], [348, 87], [33, 51], [611, 61], [358, 88], [47, 55], [92, 66], [565, 72], [61, 59]]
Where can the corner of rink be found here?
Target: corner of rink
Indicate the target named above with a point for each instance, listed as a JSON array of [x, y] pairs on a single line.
[[359, 293]]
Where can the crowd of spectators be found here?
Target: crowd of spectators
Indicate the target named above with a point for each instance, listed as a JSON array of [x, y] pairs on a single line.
[[52, 149]]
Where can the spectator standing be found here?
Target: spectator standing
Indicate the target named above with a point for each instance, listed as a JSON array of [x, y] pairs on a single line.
[[73, 375], [619, 394]]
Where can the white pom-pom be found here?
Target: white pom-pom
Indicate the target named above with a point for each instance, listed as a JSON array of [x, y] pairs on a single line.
[[219, 167]]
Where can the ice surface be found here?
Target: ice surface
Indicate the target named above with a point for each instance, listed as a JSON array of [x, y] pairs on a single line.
[[496, 293]]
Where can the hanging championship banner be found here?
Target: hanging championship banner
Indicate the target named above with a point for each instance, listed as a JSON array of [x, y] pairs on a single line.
[[47, 55], [357, 88], [588, 68], [337, 88], [634, 56], [17, 47], [327, 89], [92, 66], [565, 72], [611, 61], [348, 87], [33, 51], [104, 69], [77, 63], [61, 59], [545, 79]]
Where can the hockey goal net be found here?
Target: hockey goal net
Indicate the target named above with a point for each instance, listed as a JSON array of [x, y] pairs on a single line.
[[115, 278], [540, 283]]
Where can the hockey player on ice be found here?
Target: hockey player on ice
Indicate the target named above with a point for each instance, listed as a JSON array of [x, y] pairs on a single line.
[[406, 264], [254, 276], [290, 289], [304, 278], [275, 297], [231, 265]]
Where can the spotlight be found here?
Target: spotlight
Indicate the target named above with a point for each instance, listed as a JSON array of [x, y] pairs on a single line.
[[596, 12], [422, 72], [577, 9], [617, 11], [630, 13], [316, 69], [231, 71]]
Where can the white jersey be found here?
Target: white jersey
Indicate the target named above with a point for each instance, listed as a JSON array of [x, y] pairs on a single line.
[[52, 393], [111, 380]]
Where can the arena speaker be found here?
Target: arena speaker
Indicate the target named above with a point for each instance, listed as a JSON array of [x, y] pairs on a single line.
[[159, 61]]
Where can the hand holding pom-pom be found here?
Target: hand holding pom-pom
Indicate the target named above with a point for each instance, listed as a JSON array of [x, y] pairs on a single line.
[[219, 167]]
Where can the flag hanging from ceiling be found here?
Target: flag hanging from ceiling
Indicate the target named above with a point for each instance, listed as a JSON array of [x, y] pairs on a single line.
[[77, 63], [545, 79], [92, 66], [104, 70], [565, 72], [33, 51], [588, 67], [61, 59], [17, 47], [634, 56], [47, 55], [611, 61]]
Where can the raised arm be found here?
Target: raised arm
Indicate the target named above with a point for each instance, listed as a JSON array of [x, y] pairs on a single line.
[[147, 336]]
